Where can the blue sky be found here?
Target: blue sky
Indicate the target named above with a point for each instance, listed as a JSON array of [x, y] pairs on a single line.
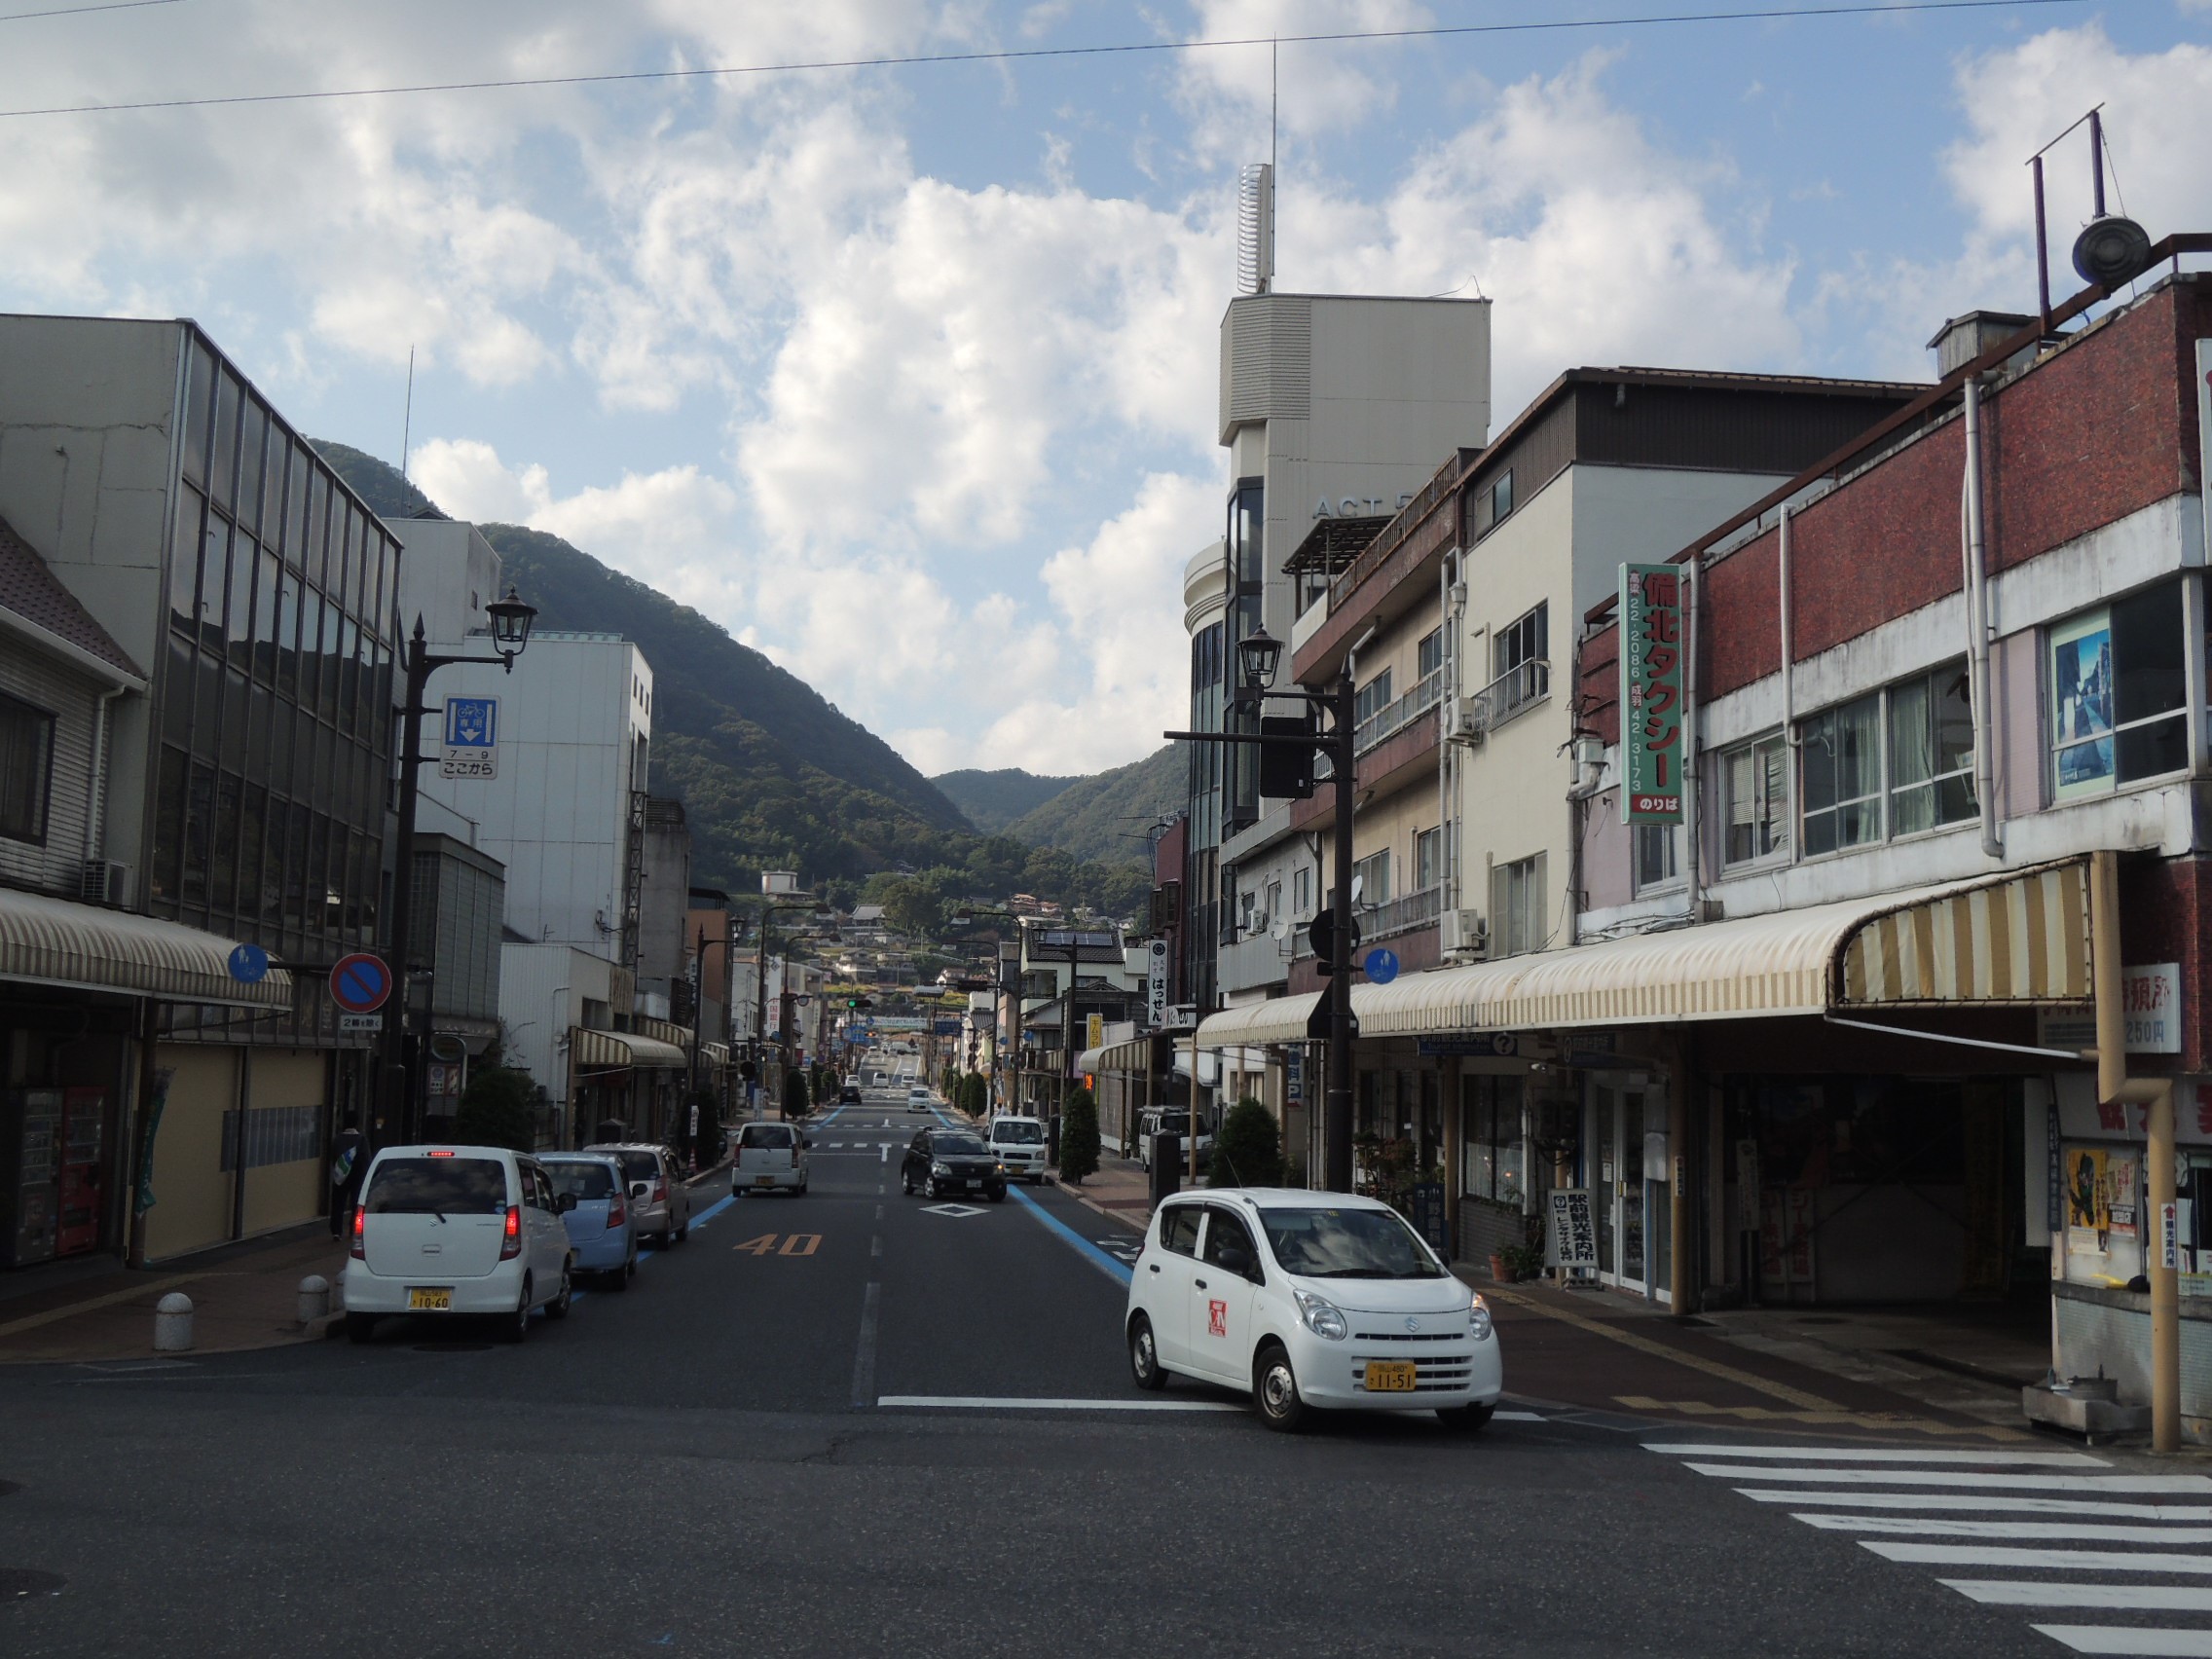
[[907, 375]]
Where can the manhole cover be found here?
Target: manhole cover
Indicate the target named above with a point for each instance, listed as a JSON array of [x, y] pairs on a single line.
[[17, 1583], [453, 1347]]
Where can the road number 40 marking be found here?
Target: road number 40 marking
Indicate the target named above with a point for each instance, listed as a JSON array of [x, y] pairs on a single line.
[[794, 1245]]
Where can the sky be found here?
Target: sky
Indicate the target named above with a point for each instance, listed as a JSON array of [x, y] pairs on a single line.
[[905, 373]]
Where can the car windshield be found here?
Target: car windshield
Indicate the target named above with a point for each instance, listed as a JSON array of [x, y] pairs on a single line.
[[438, 1186], [1018, 1134], [581, 1180], [1175, 1124], [1346, 1244], [640, 1166], [957, 1146], [767, 1135]]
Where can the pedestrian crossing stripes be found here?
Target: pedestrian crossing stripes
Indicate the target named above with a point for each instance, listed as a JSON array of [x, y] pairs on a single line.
[[2066, 1529]]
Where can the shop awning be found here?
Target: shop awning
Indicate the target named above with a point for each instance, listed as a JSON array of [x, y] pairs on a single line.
[[57, 941], [1134, 1055], [2017, 939], [615, 1051], [715, 1053]]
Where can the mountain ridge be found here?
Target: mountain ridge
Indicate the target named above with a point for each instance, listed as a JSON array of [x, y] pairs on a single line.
[[993, 799]]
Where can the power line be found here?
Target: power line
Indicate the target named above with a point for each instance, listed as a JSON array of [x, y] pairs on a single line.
[[79, 11], [1127, 49]]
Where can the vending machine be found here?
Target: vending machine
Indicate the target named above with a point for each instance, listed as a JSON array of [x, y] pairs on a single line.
[[30, 1163], [83, 1132]]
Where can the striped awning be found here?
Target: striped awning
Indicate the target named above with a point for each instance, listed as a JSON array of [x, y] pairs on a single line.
[[2016, 939], [57, 941], [619, 1051]]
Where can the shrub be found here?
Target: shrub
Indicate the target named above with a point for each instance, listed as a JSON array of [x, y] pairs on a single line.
[[975, 1094], [795, 1098], [1247, 1148], [1078, 1138], [498, 1108]]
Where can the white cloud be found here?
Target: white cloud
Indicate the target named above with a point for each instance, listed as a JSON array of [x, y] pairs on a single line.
[[1310, 88]]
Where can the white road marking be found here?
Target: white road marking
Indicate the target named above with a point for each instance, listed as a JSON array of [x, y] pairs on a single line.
[[988, 1403], [958, 1212], [1519, 1417], [1985, 1502], [1884, 1455], [2084, 1531], [2048, 1560], [1948, 1478], [2131, 1640], [2032, 1593]]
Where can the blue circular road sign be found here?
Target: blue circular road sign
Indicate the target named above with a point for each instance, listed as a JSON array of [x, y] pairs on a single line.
[[249, 963], [1382, 966]]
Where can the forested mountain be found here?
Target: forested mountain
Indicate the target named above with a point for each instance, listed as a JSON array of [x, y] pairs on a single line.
[[994, 799], [772, 775], [1105, 815]]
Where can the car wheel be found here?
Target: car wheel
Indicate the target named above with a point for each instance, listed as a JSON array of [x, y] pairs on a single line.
[[558, 1307], [360, 1327], [928, 1187], [516, 1325], [684, 1233], [906, 1182], [1275, 1390], [998, 1195], [630, 1267], [801, 1191], [1466, 1419], [1145, 1369]]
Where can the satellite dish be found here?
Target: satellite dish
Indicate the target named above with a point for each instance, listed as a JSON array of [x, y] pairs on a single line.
[[1358, 886], [2112, 250], [1281, 928]]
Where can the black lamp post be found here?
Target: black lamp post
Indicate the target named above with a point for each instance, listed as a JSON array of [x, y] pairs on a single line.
[[1258, 658], [511, 619]]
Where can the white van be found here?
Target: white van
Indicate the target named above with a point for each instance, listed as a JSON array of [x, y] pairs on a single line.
[[770, 1156], [455, 1231], [1019, 1143]]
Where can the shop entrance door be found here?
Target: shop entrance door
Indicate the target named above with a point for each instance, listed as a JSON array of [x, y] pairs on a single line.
[[1632, 1199]]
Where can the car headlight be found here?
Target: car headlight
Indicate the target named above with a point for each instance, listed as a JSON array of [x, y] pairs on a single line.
[[1478, 1321], [941, 1169], [1320, 1316], [1001, 1168]]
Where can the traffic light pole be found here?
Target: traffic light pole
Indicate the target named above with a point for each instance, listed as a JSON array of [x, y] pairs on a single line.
[[1338, 701]]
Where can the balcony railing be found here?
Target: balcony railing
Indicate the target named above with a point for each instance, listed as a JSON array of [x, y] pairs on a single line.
[[1519, 687], [1402, 915], [1393, 718]]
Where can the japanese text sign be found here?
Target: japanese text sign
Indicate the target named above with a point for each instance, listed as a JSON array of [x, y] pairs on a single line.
[[1652, 647]]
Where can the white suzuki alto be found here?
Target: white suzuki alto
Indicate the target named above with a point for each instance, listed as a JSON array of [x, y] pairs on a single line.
[[457, 1230], [1309, 1300]]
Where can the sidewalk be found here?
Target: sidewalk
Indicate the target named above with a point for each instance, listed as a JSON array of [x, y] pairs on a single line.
[[243, 1296], [1118, 1189]]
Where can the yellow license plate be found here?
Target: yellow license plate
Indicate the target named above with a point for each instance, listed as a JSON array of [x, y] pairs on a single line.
[[1390, 1376], [439, 1301], [763, 1180]]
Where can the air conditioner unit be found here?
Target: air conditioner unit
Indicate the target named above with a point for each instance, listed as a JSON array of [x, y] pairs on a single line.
[[1256, 922], [1470, 721], [1465, 932], [104, 881]]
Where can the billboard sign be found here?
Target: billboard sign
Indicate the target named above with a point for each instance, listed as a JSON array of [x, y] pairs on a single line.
[[1156, 985], [1651, 652]]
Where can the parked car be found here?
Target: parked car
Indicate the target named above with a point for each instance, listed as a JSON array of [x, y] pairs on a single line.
[[943, 1161], [659, 1200], [1308, 1300], [1018, 1144], [770, 1156], [1156, 1122], [917, 1099], [453, 1232], [601, 1236]]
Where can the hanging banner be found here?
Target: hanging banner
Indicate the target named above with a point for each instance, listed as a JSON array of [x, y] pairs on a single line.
[[1651, 745]]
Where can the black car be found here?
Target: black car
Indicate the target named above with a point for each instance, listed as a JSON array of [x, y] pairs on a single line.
[[849, 1096], [951, 1161]]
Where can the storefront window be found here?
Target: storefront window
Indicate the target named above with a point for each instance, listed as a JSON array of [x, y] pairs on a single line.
[[1490, 1164], [2117, 695]]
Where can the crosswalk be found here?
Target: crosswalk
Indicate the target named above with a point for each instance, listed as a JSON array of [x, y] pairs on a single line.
[[2099, 1558]]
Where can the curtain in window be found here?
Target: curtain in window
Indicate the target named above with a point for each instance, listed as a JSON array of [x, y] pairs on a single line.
[[1913, 759]]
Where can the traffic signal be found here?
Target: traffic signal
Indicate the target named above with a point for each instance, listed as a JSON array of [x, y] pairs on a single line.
[[1322, 931], [1286, 770]]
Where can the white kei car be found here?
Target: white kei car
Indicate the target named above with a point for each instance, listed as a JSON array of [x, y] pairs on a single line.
[[1308, 1300], [1021, 1145], [458, 1231]]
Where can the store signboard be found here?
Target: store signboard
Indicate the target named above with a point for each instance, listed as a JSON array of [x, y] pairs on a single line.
[[1155, 985], [2150, 1000], [1651, 653], [1571, 1232]]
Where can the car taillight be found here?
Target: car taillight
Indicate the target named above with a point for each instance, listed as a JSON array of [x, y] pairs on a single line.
[[359, 1251], [510, 1243], [660, 1192], [617, 1216]]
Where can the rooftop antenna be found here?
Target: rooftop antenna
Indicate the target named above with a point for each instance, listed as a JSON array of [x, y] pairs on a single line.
[[2111, 248], [407, 421], [1256, 206]]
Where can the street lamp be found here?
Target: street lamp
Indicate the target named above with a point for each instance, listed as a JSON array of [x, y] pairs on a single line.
[[511, 619], [1258, 656]]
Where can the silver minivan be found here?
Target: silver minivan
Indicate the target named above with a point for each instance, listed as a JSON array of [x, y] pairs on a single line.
[[660, 1204], [769, 1156]]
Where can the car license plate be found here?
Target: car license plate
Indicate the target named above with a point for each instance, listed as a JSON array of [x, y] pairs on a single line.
[[1390, 1376], [423, 1300], [763, 1180]]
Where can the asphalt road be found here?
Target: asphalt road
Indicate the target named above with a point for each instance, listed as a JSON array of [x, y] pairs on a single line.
[[710, 1462]]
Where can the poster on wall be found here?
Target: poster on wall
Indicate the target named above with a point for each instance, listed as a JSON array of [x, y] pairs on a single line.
[[2101, 1198], [2080, 705]]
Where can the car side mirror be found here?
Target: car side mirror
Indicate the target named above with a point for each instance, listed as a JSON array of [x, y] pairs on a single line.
[[566, 1203], [1235, 1260], [638, 1189]]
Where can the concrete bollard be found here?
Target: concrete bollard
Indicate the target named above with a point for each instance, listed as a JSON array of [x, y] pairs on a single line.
[[172, 1323], [314, 1298]]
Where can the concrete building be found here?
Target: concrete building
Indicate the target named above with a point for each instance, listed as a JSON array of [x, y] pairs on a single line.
[[245, 792]]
